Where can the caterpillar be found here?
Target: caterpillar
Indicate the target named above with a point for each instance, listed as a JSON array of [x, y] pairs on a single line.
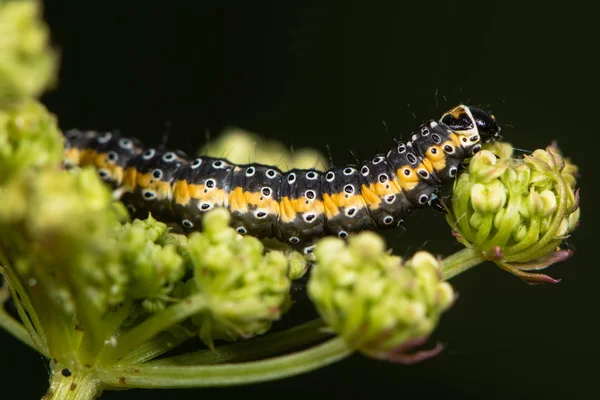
[[297, 206]]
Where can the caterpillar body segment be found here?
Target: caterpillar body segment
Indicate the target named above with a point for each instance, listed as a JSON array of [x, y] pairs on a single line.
[[297, 206]]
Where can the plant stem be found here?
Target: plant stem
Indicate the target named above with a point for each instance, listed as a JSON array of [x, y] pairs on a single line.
[[460, 262], [154, 347], [157, 323], [15, 328], [78, 386], [29, 317], [11, 325], [260, 347], [188, 376]]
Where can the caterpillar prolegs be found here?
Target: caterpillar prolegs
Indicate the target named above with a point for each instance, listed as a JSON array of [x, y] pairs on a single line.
[[297, 206]]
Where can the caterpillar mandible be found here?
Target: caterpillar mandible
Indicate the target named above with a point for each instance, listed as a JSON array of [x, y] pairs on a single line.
[[298, 206]]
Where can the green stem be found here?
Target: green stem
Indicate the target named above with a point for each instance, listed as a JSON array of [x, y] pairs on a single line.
[[91, 345], [15, 328], [157, 323], [260, 347], [187, 376], [156, 346], [461, 261], [26, 312], [77, 386], [15, 286], [9, 324]]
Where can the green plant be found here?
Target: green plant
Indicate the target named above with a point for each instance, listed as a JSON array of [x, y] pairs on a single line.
[[105, 299]]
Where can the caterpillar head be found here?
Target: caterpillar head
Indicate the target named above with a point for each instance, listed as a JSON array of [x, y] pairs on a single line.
[[473, 124]]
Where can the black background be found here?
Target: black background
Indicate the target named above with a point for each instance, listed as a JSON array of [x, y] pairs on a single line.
[[324, 72]]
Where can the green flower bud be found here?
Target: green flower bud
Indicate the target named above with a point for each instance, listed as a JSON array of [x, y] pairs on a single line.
[[379, 304], [153, 269], [298, 265], [27, 64], [176, 239], [488, 198], [503, 150], [29, 137], [245, 289], [516, 212]]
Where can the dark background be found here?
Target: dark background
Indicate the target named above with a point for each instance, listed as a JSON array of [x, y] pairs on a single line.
[[324, 72]]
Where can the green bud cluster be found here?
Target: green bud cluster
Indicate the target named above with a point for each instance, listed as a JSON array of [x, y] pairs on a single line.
[[376, 301], [153, 268], [29, 137], [77, 265], [54, 228], [516, 210], [245, 288], [27, 64]]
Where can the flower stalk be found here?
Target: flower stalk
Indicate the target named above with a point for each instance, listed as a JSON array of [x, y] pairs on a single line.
[[10, 324], [164, 376], [460, 262], [65, 385]]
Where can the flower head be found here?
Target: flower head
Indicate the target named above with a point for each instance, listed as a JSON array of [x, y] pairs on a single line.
[[29, 137], [27, 64], [55, 229], [153, 269], [380, 304], [516, 211], [245, 289]]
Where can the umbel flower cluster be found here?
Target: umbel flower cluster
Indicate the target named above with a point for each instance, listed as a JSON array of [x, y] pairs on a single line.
[[516, 212], [106, 299]]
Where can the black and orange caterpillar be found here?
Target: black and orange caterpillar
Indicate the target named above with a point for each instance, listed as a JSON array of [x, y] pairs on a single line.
[[297, 206]]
